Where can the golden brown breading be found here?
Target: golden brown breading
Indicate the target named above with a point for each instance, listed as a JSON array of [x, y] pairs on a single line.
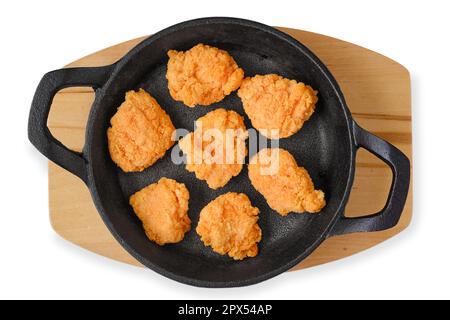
[[209, 161], [140, 133], [276, 103], [202, 75], [229, 224], [162, 207], [287, 187]]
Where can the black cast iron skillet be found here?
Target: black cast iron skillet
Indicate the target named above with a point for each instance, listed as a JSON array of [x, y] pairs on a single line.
[[326, 146]]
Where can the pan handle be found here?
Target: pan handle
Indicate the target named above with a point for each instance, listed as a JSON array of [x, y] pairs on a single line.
[[38, 132], [389, 216]]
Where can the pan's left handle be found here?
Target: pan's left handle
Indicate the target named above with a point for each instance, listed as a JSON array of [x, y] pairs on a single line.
[[38, 132]]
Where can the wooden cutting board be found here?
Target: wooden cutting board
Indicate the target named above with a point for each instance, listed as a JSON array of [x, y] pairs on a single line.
[[377, 91]]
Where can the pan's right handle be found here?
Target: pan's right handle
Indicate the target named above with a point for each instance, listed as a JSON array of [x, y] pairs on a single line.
[[389, 216], [38, 132]]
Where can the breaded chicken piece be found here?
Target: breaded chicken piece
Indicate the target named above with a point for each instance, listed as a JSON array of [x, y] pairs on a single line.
[[162, 207], [229, 224], [276, 103], [208, 154], [202, 75], [286, 186], [140, 133]]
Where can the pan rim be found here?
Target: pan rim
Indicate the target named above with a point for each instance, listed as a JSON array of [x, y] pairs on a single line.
[[92, 183]]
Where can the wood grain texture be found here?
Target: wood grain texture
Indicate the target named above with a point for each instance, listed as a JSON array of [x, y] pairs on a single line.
[[376, 89]]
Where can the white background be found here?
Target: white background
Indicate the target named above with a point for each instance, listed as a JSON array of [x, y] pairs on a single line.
[[38, 36]]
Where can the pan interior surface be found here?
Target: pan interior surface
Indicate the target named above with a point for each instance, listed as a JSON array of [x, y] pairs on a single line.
[[323, 146]]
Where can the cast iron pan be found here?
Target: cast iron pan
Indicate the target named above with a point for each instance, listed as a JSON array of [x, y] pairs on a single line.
[[326, 146]]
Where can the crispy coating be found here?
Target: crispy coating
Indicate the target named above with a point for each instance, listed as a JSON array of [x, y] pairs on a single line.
[[276, 103], [288, 187], [210, 161], [202, 75], [229, 224], [162, 207], [140, 133]]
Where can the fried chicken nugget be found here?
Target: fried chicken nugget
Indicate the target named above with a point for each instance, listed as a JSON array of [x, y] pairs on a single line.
[[286, 186], [162, 207], [229, 224], [209, 156], [202, 75], [276, 103], [140, 133]]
